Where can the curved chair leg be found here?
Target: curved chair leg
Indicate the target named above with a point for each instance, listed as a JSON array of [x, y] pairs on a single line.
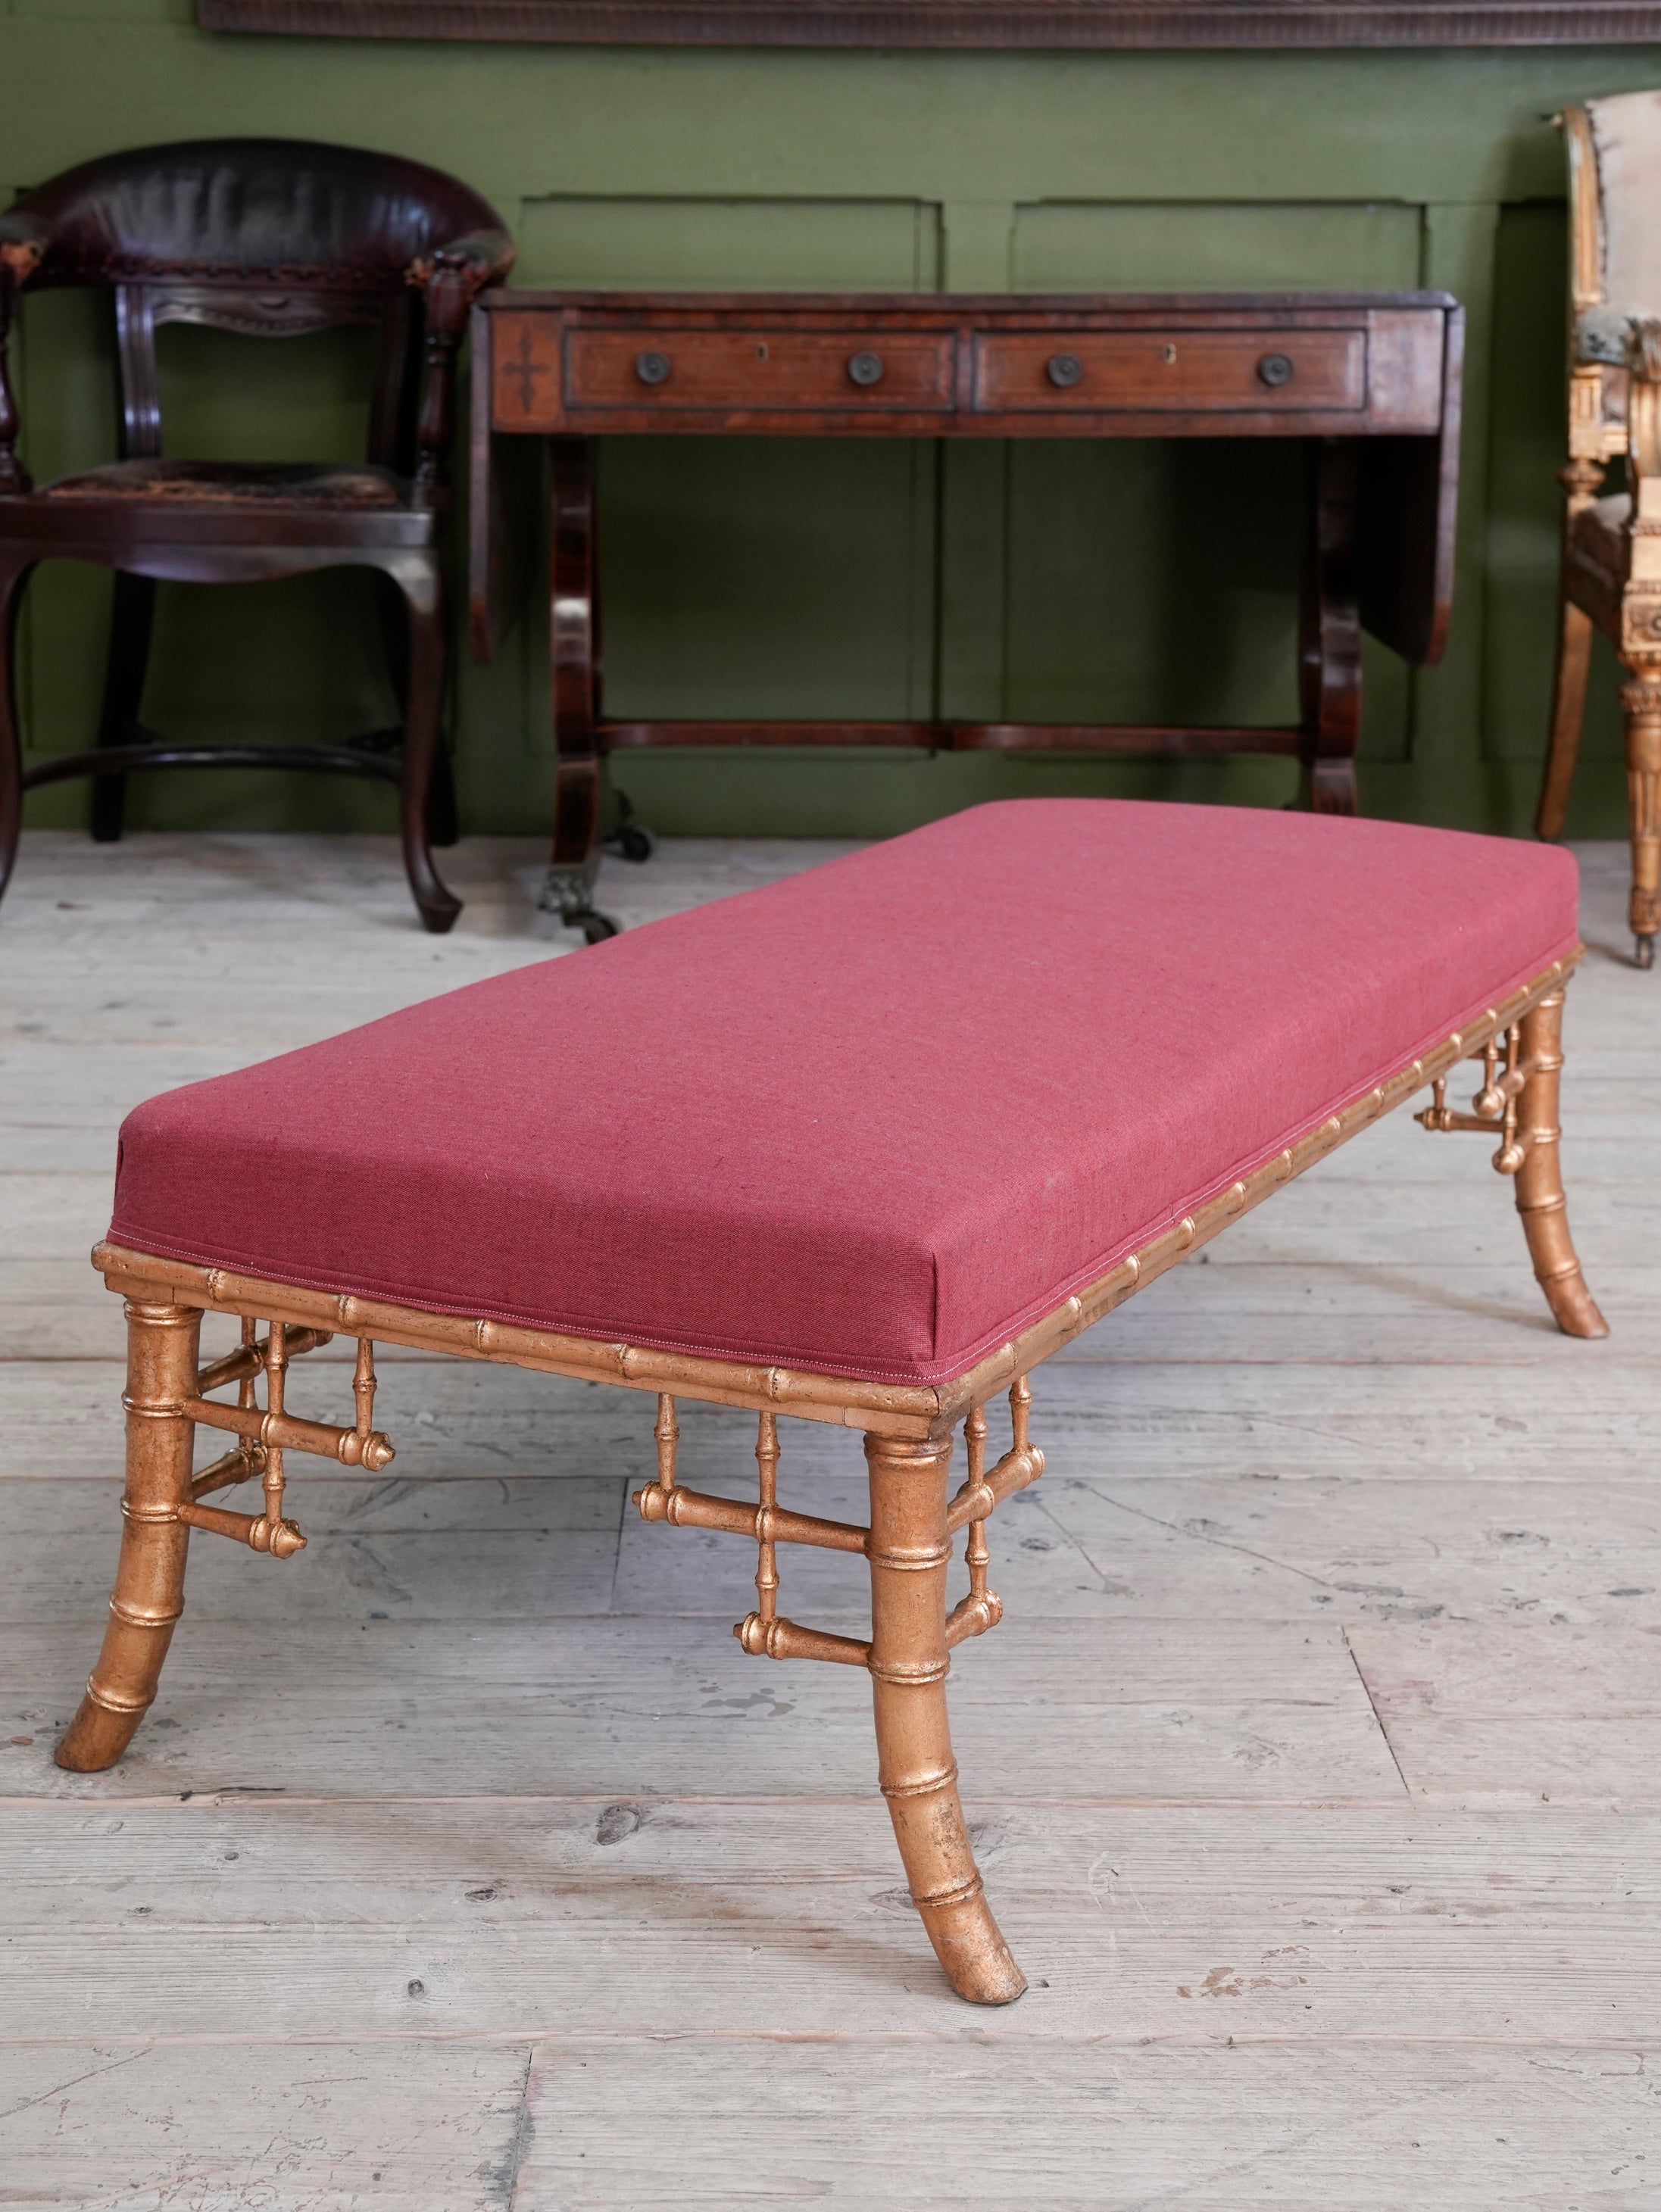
[[1540, 1179], [442, 825], [1567, 713], [12, 577], [149, 1580], [1642, 702], [909, 1553], [438, 906], [132, 623]]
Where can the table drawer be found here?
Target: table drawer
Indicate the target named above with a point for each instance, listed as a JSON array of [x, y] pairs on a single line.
[[1074, 371], [736, 370]]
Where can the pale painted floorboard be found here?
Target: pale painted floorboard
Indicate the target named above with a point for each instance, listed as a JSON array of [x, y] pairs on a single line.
[[639, 1917], [1585, 1420], [1240, 1712], [503, 1547], [634, 2125], [1389, 2128], [466, 1862], [406, 2127]]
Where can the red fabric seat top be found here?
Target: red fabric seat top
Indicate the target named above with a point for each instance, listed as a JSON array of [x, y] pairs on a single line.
[[872, 1119]]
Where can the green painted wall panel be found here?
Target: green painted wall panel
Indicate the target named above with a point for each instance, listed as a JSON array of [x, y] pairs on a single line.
[[761, 245], [1208, 245], [1156, 582], [1521, 549], [861, 579], [769, 576], [754, 577]]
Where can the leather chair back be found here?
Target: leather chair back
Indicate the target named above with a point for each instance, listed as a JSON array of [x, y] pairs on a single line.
[[271, 237], [240, 213]]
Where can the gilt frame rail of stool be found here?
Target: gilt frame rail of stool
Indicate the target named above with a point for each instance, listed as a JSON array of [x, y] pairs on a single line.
[[1370, 382], [908, 1428]]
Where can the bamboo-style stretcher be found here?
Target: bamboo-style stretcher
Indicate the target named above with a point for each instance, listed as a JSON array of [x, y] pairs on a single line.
[[909, 1429]]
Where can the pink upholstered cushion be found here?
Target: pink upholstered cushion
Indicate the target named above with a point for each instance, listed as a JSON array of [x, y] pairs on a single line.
[[872, 1119]]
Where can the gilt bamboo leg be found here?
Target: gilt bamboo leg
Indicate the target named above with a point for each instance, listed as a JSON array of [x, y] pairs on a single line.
[[1567, 713], [1540, 1179], [149, 1579], [1642, 702], [909, 1553]]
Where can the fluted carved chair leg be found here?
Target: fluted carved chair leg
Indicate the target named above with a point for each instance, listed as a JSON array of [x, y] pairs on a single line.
[[909, 1553], [149, 1579], [1540, 1178], [1642, 702]]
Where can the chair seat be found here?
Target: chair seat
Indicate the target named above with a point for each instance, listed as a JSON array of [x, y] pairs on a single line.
[[223, 503], [870, 1121], [1598, 534], [236, 483]]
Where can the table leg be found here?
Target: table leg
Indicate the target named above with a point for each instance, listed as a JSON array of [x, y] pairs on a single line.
[[13, 574], [1329, 633], [568, 891]]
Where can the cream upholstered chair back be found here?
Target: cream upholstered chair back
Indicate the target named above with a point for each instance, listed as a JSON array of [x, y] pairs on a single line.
[[1613, 149], [1614, 188], [1611, 571]]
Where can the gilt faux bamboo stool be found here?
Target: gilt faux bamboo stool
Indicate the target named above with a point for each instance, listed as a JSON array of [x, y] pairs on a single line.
[[863, 1147]]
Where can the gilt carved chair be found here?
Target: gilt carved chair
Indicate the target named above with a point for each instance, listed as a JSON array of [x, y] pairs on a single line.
[[1611, 571], [272, 238]]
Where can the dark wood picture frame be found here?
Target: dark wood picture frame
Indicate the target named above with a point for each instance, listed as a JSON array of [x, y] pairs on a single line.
[[1034, 24]]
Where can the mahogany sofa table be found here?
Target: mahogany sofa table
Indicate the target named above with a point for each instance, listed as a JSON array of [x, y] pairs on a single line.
[[1369, 381], [877, 1189]]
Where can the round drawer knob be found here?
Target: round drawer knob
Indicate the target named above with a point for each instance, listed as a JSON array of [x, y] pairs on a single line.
[[652, 367], [1064, 370], [1276, 369], [865, 368]]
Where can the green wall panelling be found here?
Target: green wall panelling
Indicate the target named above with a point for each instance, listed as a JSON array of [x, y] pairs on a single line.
[[745, 576], [948, 577], [1446, 718], [104, 11], [1524, 513], [66, 391], [762, 245], [1152, 582], [767, 576], [264, 659], [1210, 246], [257, 663], [1156, 580]]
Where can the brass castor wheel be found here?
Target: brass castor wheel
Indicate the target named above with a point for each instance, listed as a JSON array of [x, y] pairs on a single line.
[[629, 839], [569, 893]]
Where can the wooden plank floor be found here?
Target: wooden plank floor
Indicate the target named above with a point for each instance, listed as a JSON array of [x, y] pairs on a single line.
[[466, 1862]]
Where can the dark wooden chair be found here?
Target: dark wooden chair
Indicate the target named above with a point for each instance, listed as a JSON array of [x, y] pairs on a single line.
[[272, 238]]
